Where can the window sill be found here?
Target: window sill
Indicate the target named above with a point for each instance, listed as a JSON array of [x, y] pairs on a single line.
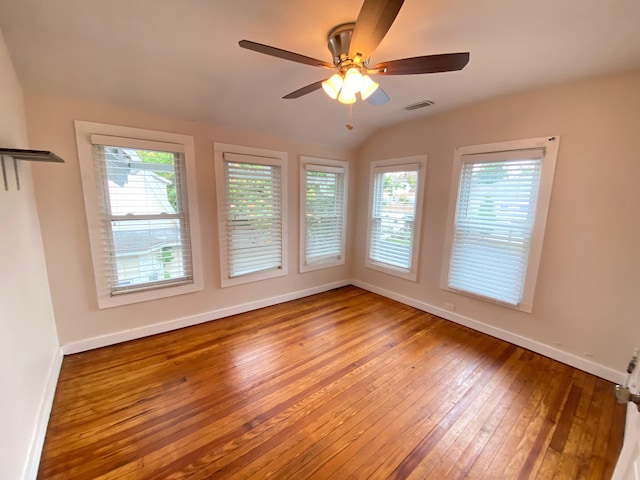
[[526, 307], [105, 300], [390, 270]]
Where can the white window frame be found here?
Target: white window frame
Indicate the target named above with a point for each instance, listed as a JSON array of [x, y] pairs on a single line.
[[134, 138], [550, 145], [262, 157], [399, 164], [321, 164]]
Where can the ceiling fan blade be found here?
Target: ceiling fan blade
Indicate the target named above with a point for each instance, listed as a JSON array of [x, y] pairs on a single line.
[[304, 90], [373, 23], [285, 54], [446, 62], [379, 97]]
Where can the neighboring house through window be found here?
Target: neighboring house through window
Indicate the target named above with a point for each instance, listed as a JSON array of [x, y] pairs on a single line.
[[323, 208], [497, 218], [251, 191], [137, 185], [395, 211]]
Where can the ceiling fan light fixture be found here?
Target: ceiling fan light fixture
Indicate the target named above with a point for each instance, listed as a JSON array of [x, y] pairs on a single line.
[[368, 87], [351, 45], [352, 80], [332, 85], [346, 97]]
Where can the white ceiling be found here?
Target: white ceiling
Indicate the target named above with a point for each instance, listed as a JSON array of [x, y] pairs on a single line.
[[181, 57]]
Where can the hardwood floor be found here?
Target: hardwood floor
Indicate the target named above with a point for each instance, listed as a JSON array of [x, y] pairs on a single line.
[[345, 384]]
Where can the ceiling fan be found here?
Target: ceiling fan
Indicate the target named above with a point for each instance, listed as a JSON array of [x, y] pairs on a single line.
[[351, 45]]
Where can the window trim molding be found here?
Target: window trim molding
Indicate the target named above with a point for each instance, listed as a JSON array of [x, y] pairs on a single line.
[[550, 145], [321, 162], [271, 157], [397, 164], [135, 136]]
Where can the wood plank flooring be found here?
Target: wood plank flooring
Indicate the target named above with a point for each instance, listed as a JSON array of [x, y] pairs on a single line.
[[341, 385]]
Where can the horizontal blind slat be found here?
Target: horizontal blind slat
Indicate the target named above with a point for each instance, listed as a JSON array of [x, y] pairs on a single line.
[[253, 216], [393, 212], [324, 207], [493, 224], [145, 221]]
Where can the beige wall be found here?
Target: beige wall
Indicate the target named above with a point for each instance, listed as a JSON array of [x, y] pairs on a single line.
[[588, 290], [28, 342], [64, 229]]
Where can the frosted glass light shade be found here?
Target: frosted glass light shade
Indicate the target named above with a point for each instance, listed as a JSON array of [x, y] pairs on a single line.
[[346, 97], [332, 85], [352, 81], [368, 87]]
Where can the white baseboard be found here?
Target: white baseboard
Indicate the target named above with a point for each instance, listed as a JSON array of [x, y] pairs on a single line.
[[147, 330], [533, 345], [538, 347], [37, 442]]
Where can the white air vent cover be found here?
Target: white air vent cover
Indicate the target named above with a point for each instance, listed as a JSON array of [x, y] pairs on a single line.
[[422, 104]]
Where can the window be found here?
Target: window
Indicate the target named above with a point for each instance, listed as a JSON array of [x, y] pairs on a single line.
[[251, 207], [496, 229], [395, 211], [143, 227], [323, 185]]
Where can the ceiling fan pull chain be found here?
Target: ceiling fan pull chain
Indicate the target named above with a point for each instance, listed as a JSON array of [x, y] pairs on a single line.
[[348, 125]]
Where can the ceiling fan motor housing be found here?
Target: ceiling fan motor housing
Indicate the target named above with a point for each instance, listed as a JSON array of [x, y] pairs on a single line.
[[339, 40]]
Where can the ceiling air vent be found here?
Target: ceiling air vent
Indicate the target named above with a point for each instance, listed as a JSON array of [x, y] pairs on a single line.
[[422, 104]]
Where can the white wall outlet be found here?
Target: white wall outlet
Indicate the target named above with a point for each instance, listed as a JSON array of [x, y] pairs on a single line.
[[450, 306], [588, 354]]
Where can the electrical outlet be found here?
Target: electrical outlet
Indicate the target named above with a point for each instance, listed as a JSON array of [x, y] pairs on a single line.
[[588, 354], [558, 344], [450, 306]]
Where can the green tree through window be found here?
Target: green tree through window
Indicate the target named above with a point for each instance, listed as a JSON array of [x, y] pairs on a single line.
[[163, 158]]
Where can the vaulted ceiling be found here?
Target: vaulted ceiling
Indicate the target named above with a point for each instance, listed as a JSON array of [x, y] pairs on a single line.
[[181, 57]]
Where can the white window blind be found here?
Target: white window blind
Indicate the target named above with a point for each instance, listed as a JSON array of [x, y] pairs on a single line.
[[493, 224], [253, 215], [324, 214], [144, 214], [393, 216]]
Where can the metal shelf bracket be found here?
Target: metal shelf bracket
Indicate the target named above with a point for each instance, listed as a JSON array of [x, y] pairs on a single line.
[[16, 154]]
